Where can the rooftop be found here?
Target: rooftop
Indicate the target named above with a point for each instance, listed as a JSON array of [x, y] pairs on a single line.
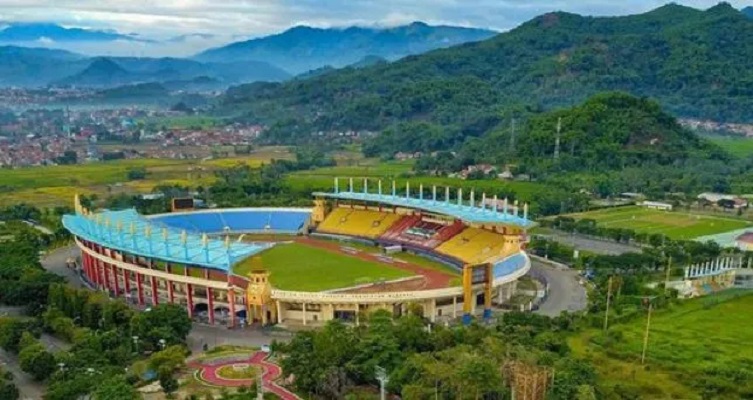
[[130, 232], [470, 210]]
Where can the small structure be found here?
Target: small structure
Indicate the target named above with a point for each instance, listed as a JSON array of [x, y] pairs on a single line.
[[657, 205], [744, 242]]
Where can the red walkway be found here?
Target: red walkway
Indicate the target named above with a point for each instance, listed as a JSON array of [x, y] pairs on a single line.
[[271, 372]]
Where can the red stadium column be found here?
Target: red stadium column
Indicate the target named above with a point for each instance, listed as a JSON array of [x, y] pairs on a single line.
[[189, 299], [170, 289], [98, 273], [127, 281], [108, 283], [155, 289], [210, 305], [115, 283], [231, 304], [140, 288]]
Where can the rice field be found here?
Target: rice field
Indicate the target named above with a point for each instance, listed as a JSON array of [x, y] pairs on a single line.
[[674, 224], [49, 186]]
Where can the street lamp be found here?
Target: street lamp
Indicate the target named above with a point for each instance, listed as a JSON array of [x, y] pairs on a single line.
[[136, 343], [381, 376], [162, 343]]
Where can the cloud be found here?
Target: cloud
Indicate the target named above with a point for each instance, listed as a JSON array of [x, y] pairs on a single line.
[[228, 19]]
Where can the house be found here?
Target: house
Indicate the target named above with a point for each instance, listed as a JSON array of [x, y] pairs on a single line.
[[657, 205], [744, 242]]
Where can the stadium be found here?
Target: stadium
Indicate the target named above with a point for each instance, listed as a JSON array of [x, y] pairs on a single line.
[[353, 252]]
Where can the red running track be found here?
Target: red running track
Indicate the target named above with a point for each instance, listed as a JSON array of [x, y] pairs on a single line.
[[271, 372]]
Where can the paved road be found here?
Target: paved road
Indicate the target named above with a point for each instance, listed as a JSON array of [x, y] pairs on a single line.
[[565, 291], [27, 387], [54, 262], [588, 244]]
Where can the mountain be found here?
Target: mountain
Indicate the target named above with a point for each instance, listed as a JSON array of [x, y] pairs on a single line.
[[748, 11], [33, 32], [101, 72], [304, 48], [35, 67], [696, 63], [22, 66]]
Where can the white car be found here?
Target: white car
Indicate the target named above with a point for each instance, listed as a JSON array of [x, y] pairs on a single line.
[[265, 348]]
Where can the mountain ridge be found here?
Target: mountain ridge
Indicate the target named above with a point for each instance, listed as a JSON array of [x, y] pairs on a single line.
[[696, 63], [303, 48]]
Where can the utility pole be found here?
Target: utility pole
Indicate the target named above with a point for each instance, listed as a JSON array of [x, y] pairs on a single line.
[[666, 278], [557, 139], [383, 379], [648, 327], [609, 297]]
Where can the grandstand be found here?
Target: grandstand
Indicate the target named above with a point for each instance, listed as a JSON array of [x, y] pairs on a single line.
[[239, 220], [360, 223]]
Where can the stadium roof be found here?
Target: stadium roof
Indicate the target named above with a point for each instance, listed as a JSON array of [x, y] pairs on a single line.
[[463, 211], [132, 233]]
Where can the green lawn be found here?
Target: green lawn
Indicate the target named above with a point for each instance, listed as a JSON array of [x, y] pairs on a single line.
[[737, 146], [299, 267], [693, 346], [675, 224]]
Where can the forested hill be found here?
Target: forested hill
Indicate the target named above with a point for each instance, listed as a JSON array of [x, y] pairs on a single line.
[[609, 131], [696, 63]]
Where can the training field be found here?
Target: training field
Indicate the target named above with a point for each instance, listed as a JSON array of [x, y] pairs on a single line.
[[295, 266], [674, 224], [698, 349]]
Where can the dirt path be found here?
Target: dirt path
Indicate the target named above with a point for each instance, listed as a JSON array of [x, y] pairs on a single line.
[[433, 279]]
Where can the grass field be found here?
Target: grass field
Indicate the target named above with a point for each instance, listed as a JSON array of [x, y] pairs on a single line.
[[698, 349], [737, 146], [674, 224], [323, 179], [184, 121], [299, 267], [55, 185]]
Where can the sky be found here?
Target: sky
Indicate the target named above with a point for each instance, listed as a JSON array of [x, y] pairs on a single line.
[[231, 20]]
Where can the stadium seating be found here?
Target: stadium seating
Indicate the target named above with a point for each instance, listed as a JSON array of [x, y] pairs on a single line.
[[362, 223], [412, 230], [473, 245], [237, 221]]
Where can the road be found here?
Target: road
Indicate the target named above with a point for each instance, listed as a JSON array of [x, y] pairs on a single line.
[[565, 291], [583, 243], [54, 262], [27, 387]]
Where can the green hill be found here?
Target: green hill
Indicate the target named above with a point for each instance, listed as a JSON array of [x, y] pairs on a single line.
[[696, 63]]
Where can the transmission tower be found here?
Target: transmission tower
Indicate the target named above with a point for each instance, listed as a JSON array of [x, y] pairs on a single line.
[[557, 139], [512, 136]]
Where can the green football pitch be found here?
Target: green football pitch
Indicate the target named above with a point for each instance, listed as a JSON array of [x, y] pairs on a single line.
[[295, 266], [674, 224]]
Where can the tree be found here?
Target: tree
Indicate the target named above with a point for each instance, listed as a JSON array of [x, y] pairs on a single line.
[[168, 383], [115, 388], [37, 362], [8, 391]]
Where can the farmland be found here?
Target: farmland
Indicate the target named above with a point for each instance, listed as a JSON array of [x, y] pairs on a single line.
[[674, 224], [697, 349], [49, 186]]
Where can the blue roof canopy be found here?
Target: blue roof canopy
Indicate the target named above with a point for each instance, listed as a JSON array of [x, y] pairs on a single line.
[[469, 212], [130, 232]]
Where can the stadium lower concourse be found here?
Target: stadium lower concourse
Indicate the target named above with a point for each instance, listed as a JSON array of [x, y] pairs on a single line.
[[210, 261]]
